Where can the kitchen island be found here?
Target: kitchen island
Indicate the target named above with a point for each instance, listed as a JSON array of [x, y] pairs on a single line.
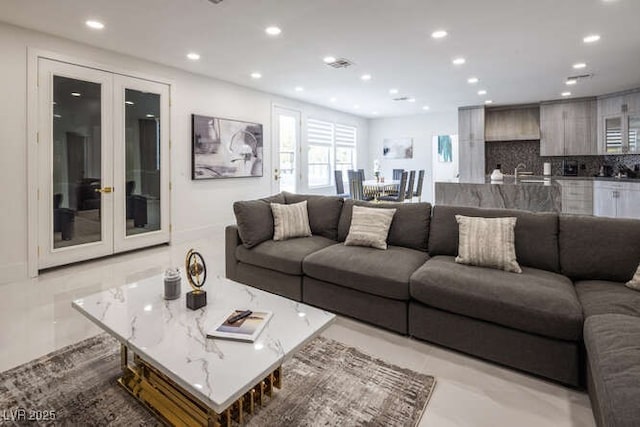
[[532, 193]]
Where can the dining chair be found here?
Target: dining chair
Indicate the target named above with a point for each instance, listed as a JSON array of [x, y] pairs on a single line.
[[418, 192], [401, 193], [361, 171], [397, 174], [340, 184], [409, 190], [356, 188]]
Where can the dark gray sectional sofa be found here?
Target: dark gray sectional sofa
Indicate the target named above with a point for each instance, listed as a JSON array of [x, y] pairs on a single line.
[[570, 295]]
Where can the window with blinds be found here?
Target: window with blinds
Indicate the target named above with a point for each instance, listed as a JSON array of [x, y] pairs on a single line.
[[332, 147]]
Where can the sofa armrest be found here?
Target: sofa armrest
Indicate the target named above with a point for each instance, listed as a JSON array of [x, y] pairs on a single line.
[[232, 241]]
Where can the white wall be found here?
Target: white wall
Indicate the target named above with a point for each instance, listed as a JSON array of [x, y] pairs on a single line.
[[421, 128], [198, 207]]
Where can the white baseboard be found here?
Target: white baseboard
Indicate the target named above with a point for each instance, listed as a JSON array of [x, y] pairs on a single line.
[[13, 272]]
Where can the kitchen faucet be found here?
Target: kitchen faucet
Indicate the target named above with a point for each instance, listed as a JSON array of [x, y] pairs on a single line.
[[523, 166]]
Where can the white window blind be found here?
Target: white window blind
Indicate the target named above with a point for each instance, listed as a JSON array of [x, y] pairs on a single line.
[[332, 147]]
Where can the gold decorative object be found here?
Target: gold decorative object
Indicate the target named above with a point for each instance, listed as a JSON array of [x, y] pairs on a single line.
[[176, 406], [196, 270]]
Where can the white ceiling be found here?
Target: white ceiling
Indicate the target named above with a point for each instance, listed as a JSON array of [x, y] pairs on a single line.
[[521, 50]]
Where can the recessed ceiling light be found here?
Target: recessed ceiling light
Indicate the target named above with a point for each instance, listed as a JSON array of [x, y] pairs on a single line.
[[482, 92], [273, 31], [256, 75], [150, 116], [366, 77], [393, 91], [459, 61], [57, 116], [425, 107], [329, 59], [591, 38], [356, 106], [299, 89], [193, 56], [129, 102], [439, 34], [566, 94], [472, 80], [96, 25], [579, 65], [76, 94], [375, 113], [571, 82], [488, 101], [333, 99], [411, 100]]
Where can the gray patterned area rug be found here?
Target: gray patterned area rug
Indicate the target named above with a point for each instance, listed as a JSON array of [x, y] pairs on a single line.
[[325, 384]]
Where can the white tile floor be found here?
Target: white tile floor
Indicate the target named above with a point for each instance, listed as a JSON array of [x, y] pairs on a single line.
[[36, 318]]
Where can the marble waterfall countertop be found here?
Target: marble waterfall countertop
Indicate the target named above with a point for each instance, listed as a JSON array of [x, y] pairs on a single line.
[[532, 193]]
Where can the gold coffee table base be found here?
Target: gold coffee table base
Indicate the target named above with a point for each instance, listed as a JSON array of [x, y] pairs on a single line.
[[176, 406]]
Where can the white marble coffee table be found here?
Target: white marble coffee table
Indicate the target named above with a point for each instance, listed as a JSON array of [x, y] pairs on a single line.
[[184, 377]]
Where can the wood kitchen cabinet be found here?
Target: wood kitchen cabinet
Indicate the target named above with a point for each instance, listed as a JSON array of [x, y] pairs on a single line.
[[619, 123], [577, 196], [616, 199], [568, 128], [514, 123], [471, 121]]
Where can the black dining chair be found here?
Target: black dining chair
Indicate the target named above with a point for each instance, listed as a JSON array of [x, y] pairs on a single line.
[[409, 190], [361, 172], [418, 192], [340, 184], [397, 174], [356, 188], [401, 193]]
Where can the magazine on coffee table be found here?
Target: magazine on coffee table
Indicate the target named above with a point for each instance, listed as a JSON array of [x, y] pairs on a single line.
[[246, 329]]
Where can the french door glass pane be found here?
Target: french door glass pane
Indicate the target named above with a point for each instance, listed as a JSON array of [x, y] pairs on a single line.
[[77, 171], [287, 138], [142, 145]]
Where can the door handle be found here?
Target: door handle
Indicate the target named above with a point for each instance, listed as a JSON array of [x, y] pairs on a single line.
[[105, 190], [276, 174]]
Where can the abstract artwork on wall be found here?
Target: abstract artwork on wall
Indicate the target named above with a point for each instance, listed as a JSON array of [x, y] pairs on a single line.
[[445, 149], [397, 148], [223, 148]]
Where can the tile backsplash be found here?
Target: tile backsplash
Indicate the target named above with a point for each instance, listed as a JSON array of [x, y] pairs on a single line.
[[509, 154]]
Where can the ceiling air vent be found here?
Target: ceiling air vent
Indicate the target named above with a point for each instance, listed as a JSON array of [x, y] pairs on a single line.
[[340, 63], [402, 98], [215, 1], [580, 77]]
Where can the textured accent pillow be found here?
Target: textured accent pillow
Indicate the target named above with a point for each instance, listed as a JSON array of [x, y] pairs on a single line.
[[634, 283], [290, 221], [369, 227], [487, 242]]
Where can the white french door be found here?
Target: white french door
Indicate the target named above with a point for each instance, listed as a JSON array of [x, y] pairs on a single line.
[[103, 163], [286, 174]]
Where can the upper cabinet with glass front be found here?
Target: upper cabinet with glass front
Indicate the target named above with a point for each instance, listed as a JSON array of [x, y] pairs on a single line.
[[619, 124]]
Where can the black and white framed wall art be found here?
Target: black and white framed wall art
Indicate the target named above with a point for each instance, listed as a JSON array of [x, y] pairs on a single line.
[[397, 148], [223, 148]]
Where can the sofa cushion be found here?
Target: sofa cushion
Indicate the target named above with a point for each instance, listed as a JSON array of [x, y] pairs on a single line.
[[536, 301], [536, 234], [376, 272], [410, 226], [613, 348], [369, 227], [593, 248], [283, 256], [290, 221], [602, 297], [487, 242], [634, 283], [255, 220], [324, 212]]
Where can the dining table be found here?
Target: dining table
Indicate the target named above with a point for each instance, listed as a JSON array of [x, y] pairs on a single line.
[[376, 188]]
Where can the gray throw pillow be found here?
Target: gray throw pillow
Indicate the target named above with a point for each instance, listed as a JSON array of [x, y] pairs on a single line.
[[634, 283], [369, 227], [487, 242], [254, 219], [290, 221]]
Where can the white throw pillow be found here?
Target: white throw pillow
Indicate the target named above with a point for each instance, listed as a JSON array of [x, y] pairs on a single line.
[[290, 221], [634, 283], [369, 227], [487, 242]]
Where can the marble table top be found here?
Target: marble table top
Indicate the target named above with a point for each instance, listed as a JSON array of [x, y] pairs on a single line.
[[173, 338]]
